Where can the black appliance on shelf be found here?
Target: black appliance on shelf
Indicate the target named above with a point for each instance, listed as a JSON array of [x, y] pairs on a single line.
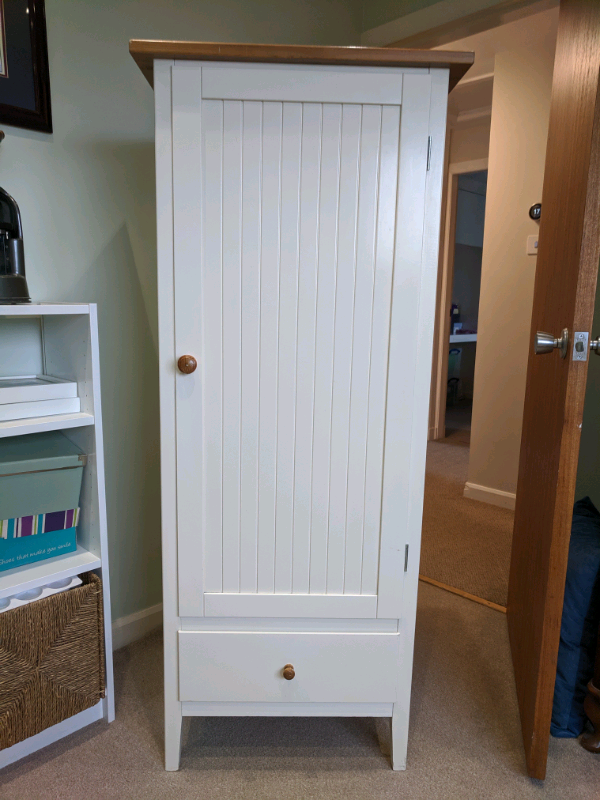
[[13, 285]]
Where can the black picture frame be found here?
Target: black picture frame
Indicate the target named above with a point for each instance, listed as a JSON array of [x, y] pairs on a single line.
[[24, 72]]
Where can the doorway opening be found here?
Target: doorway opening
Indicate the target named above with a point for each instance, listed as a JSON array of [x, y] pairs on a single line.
[[485, 294], [465, 267], [465, 547], [522, 76]]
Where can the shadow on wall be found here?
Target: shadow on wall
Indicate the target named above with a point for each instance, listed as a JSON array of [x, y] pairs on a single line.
[[129, 366], [127, 180]]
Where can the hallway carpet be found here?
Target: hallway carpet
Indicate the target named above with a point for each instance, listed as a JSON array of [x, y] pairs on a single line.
[[466, 544], [458, 422], [465, 740]]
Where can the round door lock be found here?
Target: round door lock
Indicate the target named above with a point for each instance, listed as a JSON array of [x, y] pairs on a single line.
[[289, 672], [546, 343], [187, 364]]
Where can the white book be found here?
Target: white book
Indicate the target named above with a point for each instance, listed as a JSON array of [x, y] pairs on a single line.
[[30, 388], [39, 408]]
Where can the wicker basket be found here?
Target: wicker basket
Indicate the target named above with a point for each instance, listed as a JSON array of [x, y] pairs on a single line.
[[51, 660]]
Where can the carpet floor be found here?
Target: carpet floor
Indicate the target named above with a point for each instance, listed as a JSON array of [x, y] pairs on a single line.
[[465, 543], [465, 740], [458, 422]]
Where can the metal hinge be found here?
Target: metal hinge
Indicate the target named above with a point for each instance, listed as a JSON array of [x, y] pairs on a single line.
[[405, 558], [428, 153]]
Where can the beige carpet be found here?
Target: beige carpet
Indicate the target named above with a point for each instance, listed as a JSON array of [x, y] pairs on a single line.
[[458, 422], [465, 741], [466, 544]]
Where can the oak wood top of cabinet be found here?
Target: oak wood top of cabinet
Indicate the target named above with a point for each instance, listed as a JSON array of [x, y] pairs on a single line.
[[144, 51]]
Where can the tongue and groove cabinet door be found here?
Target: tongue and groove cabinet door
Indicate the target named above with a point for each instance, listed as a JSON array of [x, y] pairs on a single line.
[[299, 204]]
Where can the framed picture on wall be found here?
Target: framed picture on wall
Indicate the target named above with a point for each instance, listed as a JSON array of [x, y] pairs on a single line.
[[24, 74]]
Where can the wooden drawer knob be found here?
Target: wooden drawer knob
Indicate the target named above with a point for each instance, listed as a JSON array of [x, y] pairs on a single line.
[[187, 364], [289, 672]]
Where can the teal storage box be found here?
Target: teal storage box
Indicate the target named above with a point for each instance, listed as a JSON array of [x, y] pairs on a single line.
[[27, 549], [40, 483]]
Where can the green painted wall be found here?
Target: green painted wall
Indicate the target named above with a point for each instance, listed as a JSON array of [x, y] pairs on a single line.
[[378, 12], [86, 194]]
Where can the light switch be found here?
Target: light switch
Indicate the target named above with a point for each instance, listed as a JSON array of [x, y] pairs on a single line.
[[532, 245]]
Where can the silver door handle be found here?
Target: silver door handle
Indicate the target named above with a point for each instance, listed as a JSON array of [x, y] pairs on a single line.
[[546, 343], [595, 346]]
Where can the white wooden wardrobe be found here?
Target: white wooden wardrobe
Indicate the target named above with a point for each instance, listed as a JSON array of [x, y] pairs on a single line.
[[298, 223]]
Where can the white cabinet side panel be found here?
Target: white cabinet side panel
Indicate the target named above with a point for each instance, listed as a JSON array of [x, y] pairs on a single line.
[[166, 356], [401, 398], [424, 347]]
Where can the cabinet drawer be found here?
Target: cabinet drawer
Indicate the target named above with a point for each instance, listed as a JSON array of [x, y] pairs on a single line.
[[248, 667]]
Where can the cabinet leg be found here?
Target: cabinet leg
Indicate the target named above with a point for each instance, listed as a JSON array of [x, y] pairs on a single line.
[[591, 706], [173, 724], [399, 737]]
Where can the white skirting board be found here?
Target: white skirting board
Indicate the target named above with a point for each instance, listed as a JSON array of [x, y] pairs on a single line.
[[126, 630], [486, 494]]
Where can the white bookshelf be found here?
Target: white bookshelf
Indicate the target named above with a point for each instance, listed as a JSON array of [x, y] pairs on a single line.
[[56, 422], [61, 339], [44, 309], [20, 579], [458, 338]]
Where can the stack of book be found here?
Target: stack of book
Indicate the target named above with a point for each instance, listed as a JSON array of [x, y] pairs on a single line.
[[28, 396]]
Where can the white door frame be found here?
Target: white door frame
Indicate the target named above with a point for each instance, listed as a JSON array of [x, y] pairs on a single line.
[[439, 375]]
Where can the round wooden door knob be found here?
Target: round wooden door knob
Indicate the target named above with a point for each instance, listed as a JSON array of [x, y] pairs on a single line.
[[289, 672], [187, 364]]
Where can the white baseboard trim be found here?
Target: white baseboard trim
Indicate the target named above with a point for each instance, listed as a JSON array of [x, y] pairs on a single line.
[[126, 630], [486, 494]]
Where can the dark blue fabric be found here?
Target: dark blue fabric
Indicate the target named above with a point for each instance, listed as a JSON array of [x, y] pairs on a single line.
[[579, 628]]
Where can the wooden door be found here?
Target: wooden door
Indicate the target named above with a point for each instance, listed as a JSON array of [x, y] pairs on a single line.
[[299, 206], [565, 284]]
